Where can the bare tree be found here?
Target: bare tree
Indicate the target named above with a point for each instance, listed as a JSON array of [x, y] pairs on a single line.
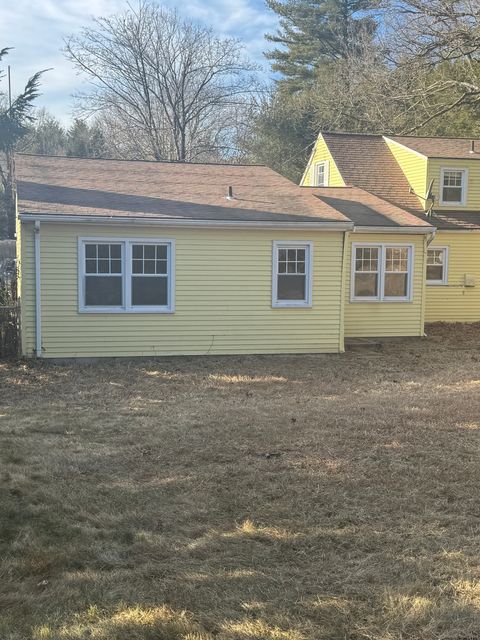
[[438, 41], [171, 84]]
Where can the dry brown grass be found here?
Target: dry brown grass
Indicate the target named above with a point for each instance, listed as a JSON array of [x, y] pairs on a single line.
[[266, 498]]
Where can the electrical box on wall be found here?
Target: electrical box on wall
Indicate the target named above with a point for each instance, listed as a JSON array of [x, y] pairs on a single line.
[[469, 280]]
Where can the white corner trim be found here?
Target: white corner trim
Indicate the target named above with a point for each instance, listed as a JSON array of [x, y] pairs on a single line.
[[38, 291], [292, 244]]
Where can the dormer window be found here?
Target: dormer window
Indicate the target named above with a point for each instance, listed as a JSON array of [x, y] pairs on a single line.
[[453, 186], [321, 174]]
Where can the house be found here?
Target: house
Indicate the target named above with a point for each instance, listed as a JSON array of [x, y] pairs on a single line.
[[435, 179], [135, 258]]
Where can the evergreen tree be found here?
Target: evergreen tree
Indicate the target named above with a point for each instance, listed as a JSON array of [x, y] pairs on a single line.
[[85, 141], [46, 136], [313, 33]]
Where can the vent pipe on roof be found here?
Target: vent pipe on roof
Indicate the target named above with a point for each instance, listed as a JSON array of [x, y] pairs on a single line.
[[230, 194], [472, 146]]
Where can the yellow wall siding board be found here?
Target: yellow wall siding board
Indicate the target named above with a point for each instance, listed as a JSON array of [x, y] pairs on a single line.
[[454, 302], [321, 153], [222, 291], [386, 319]]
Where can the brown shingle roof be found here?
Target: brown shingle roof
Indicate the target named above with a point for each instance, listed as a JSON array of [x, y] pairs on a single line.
[[440, 147], [365, 161], [170, 191], [366, 209]]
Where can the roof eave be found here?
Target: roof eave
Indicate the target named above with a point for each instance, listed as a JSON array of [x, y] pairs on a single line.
[[324, 225]]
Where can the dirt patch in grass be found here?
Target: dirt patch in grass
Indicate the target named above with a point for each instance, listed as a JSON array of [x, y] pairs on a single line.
[[273, 498]]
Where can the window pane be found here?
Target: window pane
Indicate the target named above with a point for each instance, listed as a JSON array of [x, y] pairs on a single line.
[[291, 287], [115, 266], [90, 250], [103, 250], [282, 254], [366, 259], [161, 266], [147, 291], [103, 266], [435, 272], [291, 267], [91, 266], [149, 266], [291, 255], [366, 285], [435, 256], [161, 252], [396, 259], [137, 266], [452, 194], [103, 291], [149, 251], [396, 285], [137, 251], [115, 251]]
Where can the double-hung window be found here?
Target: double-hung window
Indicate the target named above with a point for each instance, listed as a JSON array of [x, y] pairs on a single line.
[[382, 273], [453, 186], [321, 174], [437, 265], [292, 274], [126, 275]]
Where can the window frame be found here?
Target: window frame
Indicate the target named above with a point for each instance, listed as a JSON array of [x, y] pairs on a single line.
[[326, 169], [463, 200], [127, 275], [444, 280], [293, 244], [382, 247]]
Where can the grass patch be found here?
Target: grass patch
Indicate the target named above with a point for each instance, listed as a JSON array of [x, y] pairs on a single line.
[[265, 498]]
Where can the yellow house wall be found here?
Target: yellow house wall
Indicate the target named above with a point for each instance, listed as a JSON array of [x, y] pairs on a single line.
[[223, 292], [473, 182], [321, 153], [386, 319], [414, 167], [454, 302]]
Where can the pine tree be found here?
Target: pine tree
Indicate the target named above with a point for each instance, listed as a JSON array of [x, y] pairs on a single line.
[[317, 32]]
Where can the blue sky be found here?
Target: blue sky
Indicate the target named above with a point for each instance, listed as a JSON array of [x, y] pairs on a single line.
[[36, 28]]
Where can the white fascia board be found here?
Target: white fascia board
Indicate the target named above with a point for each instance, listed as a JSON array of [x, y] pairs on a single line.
[[226, 224]]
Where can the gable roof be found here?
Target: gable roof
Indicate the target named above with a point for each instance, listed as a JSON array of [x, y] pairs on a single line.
[[448, 148], [365, 161], [60, 186], [368, 210]]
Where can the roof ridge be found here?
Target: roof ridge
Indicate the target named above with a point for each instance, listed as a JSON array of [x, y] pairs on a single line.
[[216, 164]]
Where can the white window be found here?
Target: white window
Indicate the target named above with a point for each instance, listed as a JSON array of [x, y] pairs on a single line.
[[126, 275], [381, 273], [453, 186], [292, 274], [437, 265], [321, 174]]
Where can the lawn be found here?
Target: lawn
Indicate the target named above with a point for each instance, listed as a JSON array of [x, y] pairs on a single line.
[[266, 498]]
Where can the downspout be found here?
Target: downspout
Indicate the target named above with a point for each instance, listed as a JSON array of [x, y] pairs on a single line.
[[38, 293], [341, 344]]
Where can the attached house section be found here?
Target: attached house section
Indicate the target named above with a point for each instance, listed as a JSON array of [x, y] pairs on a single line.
[[146, 291]]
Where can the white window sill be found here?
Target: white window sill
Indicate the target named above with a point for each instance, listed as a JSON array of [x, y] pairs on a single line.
[[436, 283], [376, 301], [291, 305], [125, 311]]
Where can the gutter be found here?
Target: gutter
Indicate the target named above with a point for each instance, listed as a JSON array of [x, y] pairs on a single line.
[[410, 230], [221, 224], [38, 292]]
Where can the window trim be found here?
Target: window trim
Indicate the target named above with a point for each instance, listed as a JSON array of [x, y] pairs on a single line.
[[326, 166], [126, 275], [444, 280], [463, 201], [381, 297], [293, 244]]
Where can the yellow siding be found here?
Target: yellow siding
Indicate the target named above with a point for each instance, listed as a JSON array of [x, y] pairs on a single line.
[[223, 297], [473, 181], [413, 166], [321, 153], [385, 319], [454, 302]]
